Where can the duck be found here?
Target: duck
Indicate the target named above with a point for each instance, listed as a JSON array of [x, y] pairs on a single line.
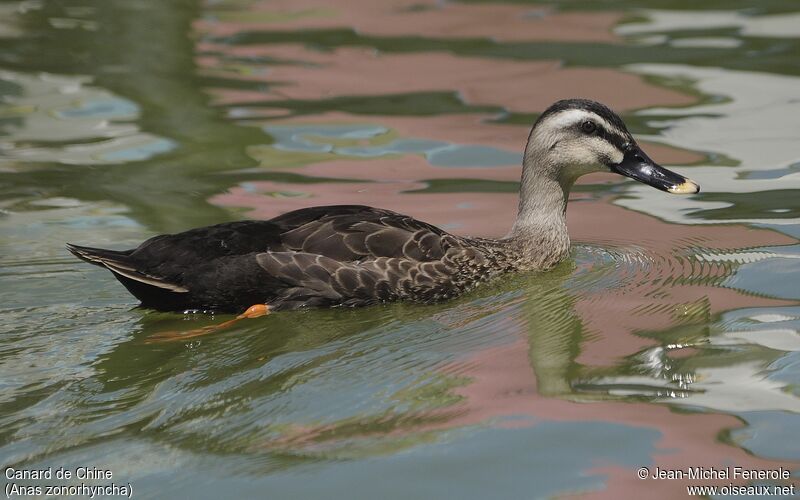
[[353, 255]]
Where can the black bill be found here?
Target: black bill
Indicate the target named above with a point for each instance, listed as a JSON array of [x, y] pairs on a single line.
[[637, 165]]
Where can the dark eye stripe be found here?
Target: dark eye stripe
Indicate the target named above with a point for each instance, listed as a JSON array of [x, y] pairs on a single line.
[[614, 138]]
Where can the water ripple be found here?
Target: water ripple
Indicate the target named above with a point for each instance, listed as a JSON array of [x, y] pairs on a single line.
[[63, 119]]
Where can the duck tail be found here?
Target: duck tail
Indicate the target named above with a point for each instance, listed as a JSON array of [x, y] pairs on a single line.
[[98, 256], [138, 282]]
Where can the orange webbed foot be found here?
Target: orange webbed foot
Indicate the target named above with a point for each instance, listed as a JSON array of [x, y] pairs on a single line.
[[254, 311]]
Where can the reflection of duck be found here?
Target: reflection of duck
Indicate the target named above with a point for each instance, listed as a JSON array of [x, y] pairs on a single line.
[[356, 255]]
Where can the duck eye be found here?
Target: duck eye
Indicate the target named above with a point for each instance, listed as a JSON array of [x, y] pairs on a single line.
[[588, 127]]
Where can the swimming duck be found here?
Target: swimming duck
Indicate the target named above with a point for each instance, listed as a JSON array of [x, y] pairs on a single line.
[[351, 255]]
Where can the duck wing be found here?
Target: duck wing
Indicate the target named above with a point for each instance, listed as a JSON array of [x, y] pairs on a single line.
[[356, 233], [305, 279], [340, 232], [354, 255]]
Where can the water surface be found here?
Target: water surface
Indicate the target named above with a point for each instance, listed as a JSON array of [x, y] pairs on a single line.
[[669, 339]]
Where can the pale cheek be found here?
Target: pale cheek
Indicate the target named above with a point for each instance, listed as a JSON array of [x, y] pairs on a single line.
[[586, 153], [605, 152]]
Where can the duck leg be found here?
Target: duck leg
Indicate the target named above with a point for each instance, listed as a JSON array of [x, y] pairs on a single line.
[[254, 311]]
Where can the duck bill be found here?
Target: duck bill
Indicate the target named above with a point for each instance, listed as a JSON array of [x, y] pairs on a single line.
[[638, 166]]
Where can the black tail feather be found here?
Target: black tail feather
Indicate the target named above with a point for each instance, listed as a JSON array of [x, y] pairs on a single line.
[[97, 256], [126, 270]]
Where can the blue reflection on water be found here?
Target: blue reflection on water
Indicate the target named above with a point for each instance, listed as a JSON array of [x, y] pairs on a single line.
[[438, 153], [777, 276]]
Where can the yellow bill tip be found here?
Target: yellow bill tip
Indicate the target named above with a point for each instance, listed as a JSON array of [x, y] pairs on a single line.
[[688, 187]]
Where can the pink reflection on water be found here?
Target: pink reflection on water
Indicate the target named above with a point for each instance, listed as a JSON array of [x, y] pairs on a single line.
[[518, 86], [426, 18], [652, 298], [456, 211], [475, 129], [503, 385]]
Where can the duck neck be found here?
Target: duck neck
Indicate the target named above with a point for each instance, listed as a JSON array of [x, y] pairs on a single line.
[[540, 230]]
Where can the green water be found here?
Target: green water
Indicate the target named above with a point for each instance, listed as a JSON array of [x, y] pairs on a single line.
[[671, 337]]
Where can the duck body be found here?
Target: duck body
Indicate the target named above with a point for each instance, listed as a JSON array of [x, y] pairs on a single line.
[[343, 255], [352, 255]]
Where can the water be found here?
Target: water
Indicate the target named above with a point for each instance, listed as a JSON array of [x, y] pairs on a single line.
[[669, 339]]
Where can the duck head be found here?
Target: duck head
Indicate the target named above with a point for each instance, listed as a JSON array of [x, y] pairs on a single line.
[[574, 137]]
